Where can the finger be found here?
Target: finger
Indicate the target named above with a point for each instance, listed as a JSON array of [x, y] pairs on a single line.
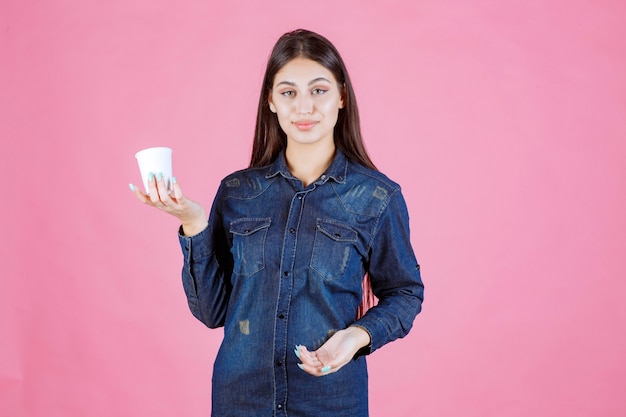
[[312, 363], [325, 361], [141, 196], [310, 358], [178, 192], [164, 195], [153, 193], [333, 366], [316, 371]]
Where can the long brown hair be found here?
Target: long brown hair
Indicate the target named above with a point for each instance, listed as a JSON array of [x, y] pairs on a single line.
[[269, 138]]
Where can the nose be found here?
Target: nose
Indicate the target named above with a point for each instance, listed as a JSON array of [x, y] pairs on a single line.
[[304, 104]]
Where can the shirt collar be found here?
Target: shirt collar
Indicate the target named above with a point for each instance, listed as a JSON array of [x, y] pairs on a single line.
[[337, 170]]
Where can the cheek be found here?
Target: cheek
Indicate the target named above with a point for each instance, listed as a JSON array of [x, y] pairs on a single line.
[[330, 103], [282, 108], [283, 117], [330, 108], [281, 111]]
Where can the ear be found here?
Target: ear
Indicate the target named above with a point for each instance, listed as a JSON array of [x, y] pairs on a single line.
[[342, 102], [270, 102]]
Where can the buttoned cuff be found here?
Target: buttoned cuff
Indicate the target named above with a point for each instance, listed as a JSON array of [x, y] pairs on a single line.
[[195, 247]]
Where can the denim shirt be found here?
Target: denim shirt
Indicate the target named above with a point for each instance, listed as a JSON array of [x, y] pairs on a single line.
[[282, 265]]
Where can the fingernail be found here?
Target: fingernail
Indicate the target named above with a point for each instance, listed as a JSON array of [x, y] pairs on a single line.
[[160, 176], [150, 176], [174, 180], [132, 187], [326, 369], [300, 366], [297, 351]]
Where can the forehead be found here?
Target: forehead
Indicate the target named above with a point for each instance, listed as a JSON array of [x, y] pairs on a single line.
[[302, 70]]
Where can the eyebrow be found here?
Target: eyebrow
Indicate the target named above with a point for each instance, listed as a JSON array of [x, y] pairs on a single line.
[[291, 83]]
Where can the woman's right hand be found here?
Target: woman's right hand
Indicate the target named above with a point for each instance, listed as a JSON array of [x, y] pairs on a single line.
[[191, 214]]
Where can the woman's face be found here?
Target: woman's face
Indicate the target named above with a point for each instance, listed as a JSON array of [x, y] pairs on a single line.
[[306, 98]]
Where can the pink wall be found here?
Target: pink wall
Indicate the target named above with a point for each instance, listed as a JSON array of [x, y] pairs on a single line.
[[505, 122]]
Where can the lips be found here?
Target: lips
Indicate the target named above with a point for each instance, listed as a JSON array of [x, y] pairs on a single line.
[[305, 124]]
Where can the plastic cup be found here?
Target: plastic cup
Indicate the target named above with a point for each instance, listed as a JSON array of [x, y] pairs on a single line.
[[155, 160]]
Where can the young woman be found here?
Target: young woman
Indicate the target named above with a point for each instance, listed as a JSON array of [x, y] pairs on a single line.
[[281, 259]]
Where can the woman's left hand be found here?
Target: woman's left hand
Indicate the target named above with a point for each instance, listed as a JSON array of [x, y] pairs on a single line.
[[338, 350]]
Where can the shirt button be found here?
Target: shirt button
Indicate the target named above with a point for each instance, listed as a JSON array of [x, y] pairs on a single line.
[[323, 177], [286, 273], [279, 363], [292, 230], [281, 316], [279, 406]]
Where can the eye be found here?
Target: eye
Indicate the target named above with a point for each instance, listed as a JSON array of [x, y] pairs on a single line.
[[317, 91], [288, 93]]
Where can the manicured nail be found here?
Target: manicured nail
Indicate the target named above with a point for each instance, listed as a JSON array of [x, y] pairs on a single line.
[[150, 176], [132, 187], [174, 181], [160, 176], [297, 351], [300, 366], [326, 369]]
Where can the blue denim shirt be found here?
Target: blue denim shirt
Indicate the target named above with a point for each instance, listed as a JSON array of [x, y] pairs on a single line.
[[280, 265]]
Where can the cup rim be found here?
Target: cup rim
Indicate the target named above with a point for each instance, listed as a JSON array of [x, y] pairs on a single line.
[[151, 149]]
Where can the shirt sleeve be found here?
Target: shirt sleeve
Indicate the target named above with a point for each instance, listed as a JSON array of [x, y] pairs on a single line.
[[395, 277], [205, 270]]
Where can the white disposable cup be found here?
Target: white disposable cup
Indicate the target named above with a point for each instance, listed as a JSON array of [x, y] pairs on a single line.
[[156, 161]]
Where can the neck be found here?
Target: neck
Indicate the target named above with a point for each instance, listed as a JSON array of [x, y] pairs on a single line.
[[308, 162]]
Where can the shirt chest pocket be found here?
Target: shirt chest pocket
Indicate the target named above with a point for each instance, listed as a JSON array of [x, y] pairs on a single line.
[[248, 248], [333, 248]]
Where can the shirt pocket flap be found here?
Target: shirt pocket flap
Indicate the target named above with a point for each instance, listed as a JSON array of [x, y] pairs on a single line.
[[248, 226], [337, 231]]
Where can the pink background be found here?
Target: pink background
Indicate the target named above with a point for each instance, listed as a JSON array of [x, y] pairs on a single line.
[[505, 122]]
